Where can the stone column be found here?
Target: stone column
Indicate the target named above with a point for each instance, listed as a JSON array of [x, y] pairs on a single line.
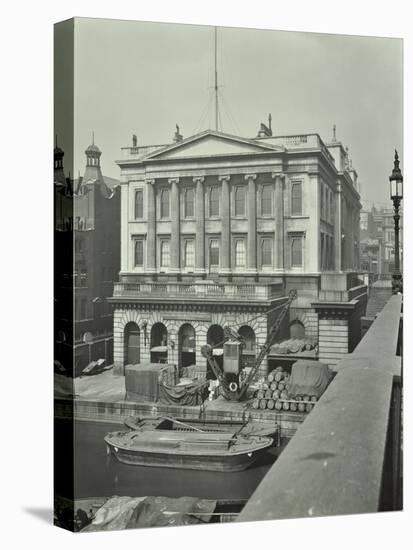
[[252, 222], [279, 220], [175, 215], [200, 225], [151, 230], [337, 228], [226, 225]]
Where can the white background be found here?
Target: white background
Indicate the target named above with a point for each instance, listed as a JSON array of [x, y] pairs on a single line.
[[26, 133]]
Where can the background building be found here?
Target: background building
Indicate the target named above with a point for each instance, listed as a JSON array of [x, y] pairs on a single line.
[[87, 237], [216, 229], [377, 241]]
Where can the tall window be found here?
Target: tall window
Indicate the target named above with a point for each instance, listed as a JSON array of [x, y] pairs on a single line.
[[239, 253], [189, 203], [165, 254], [240, 201], [214, 253], [296, 199], [297, 252], [139, 253], [214, 201], [189, 254], [321, 203], [266, 252], [322, 251], [266, 200], [331, 207], [327, 216], [165, 203], [138, 203]]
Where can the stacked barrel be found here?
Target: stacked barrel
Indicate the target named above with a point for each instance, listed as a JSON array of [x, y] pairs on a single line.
[[273, 393]]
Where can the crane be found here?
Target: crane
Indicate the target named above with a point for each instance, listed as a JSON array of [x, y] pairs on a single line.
[[228, 378]]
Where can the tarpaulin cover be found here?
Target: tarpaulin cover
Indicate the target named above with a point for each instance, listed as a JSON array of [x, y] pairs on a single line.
[[190, 394], [163, 511], [309, 378], [130, 513], [142, 381], [114, 514]]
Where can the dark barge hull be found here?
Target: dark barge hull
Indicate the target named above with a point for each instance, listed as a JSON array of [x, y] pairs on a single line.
[[234, 463]]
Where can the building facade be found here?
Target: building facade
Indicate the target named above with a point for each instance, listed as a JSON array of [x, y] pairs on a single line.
[[377, 241], [87, 222], [215, 230]]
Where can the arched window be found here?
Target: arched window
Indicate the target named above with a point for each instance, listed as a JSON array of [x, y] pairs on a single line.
[[266, 200], [139, 253], [266, 252], [240, 201], [165, 254], [214, 253], [132, 338], [248, 336], [296, 199], [138, 204], [214, 201], [189, 203], [240, 253], [189, 254], [297, 330], [187, 337], [215, 336], [159, 335], [165, 203], [186, 345]]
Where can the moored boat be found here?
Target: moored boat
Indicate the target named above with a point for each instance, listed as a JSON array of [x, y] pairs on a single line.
[[251, 427], [211, 451]]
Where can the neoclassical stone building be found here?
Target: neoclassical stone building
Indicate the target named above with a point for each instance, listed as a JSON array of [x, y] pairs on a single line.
[[215, 230]]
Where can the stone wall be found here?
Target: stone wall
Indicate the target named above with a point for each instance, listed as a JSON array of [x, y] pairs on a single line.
[[173, 320]]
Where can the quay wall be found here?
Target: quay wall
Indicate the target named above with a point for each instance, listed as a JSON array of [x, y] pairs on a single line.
[[116, 412]]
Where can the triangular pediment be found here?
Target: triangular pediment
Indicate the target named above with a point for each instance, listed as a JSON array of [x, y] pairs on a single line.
[[211, 143]]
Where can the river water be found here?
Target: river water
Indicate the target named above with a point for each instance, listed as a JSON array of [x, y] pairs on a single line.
[[100, 475]]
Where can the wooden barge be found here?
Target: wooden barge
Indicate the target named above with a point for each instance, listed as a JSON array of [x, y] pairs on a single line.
[[207, 451], [251, 427]]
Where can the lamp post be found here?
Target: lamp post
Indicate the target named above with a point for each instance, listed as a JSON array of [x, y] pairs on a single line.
[[396, 195]]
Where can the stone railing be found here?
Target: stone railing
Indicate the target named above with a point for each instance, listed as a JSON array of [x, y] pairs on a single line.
[[204, 290], [130, 153], [341, 287], [302, 141], [346, 456]]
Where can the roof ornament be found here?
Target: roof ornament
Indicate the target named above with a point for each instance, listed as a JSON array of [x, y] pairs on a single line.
[[134, 140], [346, 163], [265, 131], [177, 136], [334, 133]]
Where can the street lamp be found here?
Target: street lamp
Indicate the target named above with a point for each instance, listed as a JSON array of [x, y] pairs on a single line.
[[396, 195]]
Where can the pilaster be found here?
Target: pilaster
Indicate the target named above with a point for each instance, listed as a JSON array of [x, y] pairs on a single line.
[[151, 232], [226, 225], [200, 225], [175, 226], [252, 222]]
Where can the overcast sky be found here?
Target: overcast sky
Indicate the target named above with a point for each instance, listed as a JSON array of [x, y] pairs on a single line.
[[142, 78]]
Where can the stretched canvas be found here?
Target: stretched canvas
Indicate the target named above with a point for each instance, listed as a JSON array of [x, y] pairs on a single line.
[[228, 274]]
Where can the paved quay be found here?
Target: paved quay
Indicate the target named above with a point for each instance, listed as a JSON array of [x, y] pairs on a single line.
[[102, 397]]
